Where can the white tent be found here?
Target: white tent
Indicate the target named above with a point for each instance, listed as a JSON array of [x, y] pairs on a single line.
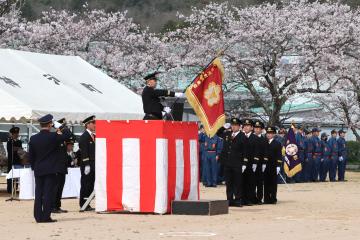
[[34, 84]]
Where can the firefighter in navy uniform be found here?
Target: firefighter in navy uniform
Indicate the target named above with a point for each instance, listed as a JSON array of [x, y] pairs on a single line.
[[152, 106], [233, 164], [61, 167], [273, 164], [261, 166], [87, 166], [251, 160], [12, 146], [43, 155]]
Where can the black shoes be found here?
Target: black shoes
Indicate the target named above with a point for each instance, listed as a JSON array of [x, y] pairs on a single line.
[[50, 220], [235, 203], [58, 210]]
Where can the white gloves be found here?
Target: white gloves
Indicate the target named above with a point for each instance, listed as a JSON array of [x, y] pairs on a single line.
[[87, 170], [179, 95], [167, 110], [263, 167], [254, 167], [277, 170], [321, 160], [341, 159], [57, 125], [243, 168]]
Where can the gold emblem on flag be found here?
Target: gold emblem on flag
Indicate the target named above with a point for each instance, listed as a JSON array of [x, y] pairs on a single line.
[[212, 94]]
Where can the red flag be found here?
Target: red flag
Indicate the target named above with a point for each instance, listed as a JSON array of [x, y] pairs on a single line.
[[206, 97]]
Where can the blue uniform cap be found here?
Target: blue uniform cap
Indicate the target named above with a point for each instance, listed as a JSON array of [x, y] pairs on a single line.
[[315, 130], [46, 119], [341, 131], [323, 135]]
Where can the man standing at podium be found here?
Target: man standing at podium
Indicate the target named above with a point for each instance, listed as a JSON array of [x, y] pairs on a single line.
[[152, 106], [87, 167]]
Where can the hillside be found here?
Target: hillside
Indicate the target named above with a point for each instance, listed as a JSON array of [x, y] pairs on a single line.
[[156, 14]]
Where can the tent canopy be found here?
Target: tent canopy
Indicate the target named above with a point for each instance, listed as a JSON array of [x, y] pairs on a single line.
[[34, 84]]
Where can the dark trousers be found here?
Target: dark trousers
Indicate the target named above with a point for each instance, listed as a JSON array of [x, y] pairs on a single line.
[[44, 197], [341, 169], [210, 168], [233, 177], [332, 168], [259, 176], [270, 185], [324, 168], [249, 186], [60, 182], [87, 185], [316, 168]]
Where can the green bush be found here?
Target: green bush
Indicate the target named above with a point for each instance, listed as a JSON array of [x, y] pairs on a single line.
[[353, 152]]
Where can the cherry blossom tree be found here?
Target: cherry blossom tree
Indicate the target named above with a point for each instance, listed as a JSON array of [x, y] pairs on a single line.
[[275, 52], [109, 41]]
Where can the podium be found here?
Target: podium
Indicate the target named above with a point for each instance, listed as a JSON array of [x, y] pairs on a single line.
[[142, 166]]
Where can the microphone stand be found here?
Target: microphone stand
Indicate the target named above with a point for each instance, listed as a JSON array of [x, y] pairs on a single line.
[[13, 184]]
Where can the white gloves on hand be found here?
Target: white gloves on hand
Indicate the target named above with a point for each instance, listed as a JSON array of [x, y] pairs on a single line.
[[179, 95], [321, 160], [263, 167], [167, 110], [87, 170], [254, 167], [57, 125], [277, 170], [243, 168], [341, 159]]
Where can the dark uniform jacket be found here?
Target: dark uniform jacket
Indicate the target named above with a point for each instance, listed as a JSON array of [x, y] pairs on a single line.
[[251, 152], [151, 100], [87, 147], [227, 141], [236, 151], [61, 164], [44, 151], [12, 146], [274, 154], [261, 146]]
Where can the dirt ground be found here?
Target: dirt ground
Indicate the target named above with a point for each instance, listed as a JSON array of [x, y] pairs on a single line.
[[304, 211]]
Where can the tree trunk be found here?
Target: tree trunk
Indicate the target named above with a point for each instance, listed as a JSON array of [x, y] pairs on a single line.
[[355, 133], [274, 118]]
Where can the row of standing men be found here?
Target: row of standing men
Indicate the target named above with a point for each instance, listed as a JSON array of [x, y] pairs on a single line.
[[248, 160], [321, 157]]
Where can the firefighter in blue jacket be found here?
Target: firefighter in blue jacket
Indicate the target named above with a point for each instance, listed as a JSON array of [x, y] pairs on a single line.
[[212, 148], [325, 157], [309, 151], [342, 155], [317, 155], [334, 148]]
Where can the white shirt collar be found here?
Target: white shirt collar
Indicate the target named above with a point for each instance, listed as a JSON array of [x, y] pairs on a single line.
[[270, 141], [248, 134], [234, 134], [90, 132]]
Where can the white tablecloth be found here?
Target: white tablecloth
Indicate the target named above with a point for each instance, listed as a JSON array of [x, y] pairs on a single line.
[[27, 183]]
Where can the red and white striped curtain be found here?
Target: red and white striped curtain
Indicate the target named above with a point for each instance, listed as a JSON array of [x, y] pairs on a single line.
[[141, 166]]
